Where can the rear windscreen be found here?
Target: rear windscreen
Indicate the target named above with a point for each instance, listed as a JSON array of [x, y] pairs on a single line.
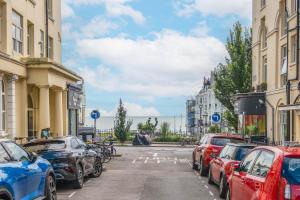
[[242, 152], [37, 147], [291, 170], [221, 141]]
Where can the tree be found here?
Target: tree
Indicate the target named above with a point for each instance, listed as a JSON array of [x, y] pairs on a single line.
[[148, 127], [121, 126], [214, 129], [235, 75], [165, 129]]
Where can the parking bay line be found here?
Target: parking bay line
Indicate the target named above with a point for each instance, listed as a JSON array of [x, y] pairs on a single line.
[[72, 194]]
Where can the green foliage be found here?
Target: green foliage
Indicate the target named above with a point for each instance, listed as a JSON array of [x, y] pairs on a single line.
[[164, 129], [169, 138], [235, 75], [214, 129], [121, 126], [148, 127]]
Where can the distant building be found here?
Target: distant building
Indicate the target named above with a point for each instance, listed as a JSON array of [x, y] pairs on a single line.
[[190, 118], [205, 105]]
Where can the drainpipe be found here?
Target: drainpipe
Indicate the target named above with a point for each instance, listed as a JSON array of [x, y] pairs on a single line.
[[273, 121], [47, 29]]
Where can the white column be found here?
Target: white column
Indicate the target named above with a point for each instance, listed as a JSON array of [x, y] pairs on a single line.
[[44, 107], [11, 106], [59, 113]]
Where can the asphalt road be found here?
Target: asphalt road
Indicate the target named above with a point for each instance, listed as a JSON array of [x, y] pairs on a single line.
[[145, 173]]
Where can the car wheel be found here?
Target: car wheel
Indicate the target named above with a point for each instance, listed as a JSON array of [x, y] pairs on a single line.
[[223, 186], [228, 195], [78, 183], [97, 168], [210, 180], [5, 194], [202, 169], [51, 188], [195, 167]]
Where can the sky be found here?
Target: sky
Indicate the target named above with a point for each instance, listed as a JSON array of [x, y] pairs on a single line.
[[153, 54]]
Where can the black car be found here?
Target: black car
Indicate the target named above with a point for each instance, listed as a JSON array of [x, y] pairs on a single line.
[[71, 158]]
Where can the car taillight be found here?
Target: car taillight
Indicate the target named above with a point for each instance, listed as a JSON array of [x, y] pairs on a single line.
[[287, 192]]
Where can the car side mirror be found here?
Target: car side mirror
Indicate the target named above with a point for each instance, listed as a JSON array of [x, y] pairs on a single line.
[[236, 167], [33, 157], [214, 156]]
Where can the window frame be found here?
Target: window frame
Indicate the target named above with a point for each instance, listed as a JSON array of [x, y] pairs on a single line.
[[42, 43], [18, 44], [283, 64], [294, 49], [257, 158], [252, 162], [8, 150], [5, 153]]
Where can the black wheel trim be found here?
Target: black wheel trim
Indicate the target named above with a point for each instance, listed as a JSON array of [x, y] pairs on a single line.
[[98, 167]]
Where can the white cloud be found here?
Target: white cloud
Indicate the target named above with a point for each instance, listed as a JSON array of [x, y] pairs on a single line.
[[98, 26], [214, 7], [133, 109], [171, 64], [201, 30], [114, 8]]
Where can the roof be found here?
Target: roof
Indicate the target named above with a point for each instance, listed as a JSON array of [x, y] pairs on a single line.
[[286, 151], [44, 141], [4, 140], [226, 135], [242, 144]]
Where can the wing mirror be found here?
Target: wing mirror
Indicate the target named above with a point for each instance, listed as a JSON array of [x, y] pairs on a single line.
[[33, 157]]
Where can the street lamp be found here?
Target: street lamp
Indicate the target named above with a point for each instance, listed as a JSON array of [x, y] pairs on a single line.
[[200, 120]]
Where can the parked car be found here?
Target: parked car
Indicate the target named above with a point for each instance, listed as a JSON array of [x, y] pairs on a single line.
[[221, 166], [267, 173], [24, 176], [71, 158], [210, 146]]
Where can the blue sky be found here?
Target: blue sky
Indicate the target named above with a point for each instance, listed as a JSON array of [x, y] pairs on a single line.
[[152, 54]]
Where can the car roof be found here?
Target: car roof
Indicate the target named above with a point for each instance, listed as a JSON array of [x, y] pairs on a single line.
[[225, 135], [4, 140], [45, 141], [286, 151]]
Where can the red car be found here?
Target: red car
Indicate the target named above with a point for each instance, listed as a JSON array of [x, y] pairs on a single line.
[[221, 166], [210, 146], [267, 173]]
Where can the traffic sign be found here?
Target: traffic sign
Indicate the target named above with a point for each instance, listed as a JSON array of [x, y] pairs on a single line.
[[216, 118], [95, 114]]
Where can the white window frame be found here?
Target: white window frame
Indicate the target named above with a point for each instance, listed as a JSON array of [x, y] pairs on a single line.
[[3, 117], [17, 42], [284, 66]]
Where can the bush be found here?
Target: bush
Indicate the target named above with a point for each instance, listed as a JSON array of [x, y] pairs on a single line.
[[169, 138]]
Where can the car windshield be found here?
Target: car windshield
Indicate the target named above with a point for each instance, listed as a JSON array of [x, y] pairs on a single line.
[[222, 141], [291, 170], [44, 146], [242, 152]]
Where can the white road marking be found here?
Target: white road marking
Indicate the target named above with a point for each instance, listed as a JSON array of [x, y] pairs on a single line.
[[141, 158], [72, 194], [175, 160], [190, 164], [206, 186], [154, 155], [146, 160], [133, 161], [210, 192], [158, 161]]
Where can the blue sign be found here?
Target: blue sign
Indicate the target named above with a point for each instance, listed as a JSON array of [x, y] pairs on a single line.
[[216, 118], [95, 114]]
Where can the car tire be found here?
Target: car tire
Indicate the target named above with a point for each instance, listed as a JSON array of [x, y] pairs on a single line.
[[195, 167], [202, 169], [97, 168], [78, 183], [5, 194], [210, 180], [228, 197], [50, 188], [223, 186]]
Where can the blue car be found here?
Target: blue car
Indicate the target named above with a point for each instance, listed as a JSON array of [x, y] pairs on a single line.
[[24, 176]]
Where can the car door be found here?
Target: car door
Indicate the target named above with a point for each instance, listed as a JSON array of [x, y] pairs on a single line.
[[217, 163], [89, 156], [32, 180], [239, 175], [200, 148], [255, 179]]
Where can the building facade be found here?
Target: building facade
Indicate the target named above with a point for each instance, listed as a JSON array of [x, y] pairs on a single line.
[[276, 66], [33, 82], [201, 108]]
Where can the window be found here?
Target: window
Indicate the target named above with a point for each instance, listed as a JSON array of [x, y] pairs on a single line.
[[264, 33], [262, 3], [294, 6], [50, 8], [74, 143], [246, 165], [263, 164], [222, 141], [50, 50], [294, 49], [223, 152], [17, 32], [16, 152], [81, 143], [229, 153], [283, 65], [265, 69], [204, 140], [42, 43], [30, 38], [284, 23], [283, 125], [291, 170], [3, 155]]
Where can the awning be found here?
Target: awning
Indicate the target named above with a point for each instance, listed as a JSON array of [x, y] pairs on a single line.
[[289, 107]]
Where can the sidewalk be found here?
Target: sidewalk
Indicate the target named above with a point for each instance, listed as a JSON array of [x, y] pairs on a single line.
[[155, 145]]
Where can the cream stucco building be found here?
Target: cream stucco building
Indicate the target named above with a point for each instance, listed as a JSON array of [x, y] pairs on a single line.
[[276, 67], [37, 92]]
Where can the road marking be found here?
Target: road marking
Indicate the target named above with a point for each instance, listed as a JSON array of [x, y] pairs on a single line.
[[190, 164], [133, 161], [146, 160], [154, 155], [210, 192], [72, 194], [206, 186], [175, 160], [158, 161], [141, 158], [88, 181]]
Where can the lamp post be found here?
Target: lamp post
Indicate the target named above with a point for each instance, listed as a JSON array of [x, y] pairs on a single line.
[[200, 120]]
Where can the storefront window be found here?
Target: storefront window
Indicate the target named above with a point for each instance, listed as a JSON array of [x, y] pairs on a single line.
[[252, 125]]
